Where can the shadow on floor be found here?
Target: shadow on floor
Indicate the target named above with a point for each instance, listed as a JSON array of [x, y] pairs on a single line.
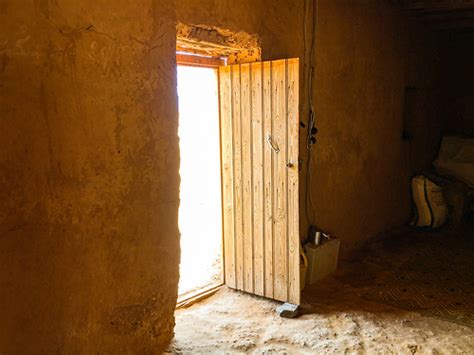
[[430, 272]]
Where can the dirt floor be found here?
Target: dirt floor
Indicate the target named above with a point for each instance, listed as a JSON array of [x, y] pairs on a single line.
[[337, 317]]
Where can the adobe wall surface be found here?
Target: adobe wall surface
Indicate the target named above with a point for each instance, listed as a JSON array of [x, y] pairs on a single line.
[[89, 244], [367, 53]]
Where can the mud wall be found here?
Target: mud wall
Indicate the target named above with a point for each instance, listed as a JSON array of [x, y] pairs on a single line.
[[368, 52], [278, 24], [457, 87], [89, 176]]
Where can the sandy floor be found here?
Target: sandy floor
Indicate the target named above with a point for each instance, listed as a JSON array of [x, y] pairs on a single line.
[[335, 321], [335, 318]]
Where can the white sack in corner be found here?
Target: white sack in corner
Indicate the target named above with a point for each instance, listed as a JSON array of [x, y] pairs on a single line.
[[456, 158], [431, 209]]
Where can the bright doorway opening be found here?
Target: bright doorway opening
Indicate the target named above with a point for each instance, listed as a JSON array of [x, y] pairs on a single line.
[[200, 213]]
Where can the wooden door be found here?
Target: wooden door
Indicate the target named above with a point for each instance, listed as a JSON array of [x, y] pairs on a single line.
[[259, 142]]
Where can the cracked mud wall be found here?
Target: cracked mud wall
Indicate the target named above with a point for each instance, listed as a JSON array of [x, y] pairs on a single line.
[[277, 24], [89, 245]]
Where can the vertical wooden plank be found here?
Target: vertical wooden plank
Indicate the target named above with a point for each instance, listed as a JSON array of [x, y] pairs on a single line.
[[256, 73], [260, 185], [225, 99], [238, 173], [247, 204], [268, 181], [293, 193], [280, 191]]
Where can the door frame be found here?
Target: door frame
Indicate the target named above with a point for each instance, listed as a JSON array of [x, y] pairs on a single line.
[[189, 59], [195, 60]]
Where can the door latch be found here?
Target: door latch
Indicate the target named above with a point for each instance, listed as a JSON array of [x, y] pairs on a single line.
[[272, 145]]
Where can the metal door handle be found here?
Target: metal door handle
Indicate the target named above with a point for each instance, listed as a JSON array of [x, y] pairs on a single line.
[[273, 146]]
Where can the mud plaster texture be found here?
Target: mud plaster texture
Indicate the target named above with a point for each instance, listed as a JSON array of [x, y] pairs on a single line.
[[367, 53], [237, 47], [337, 318], [89, 244]]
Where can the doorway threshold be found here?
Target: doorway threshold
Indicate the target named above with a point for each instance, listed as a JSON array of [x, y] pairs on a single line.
[[192, 297]]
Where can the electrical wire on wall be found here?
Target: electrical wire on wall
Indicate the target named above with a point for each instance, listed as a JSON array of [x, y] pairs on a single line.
[[311, 124]]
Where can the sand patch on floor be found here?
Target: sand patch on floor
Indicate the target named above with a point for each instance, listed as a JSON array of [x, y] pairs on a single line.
[[334, 320]]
